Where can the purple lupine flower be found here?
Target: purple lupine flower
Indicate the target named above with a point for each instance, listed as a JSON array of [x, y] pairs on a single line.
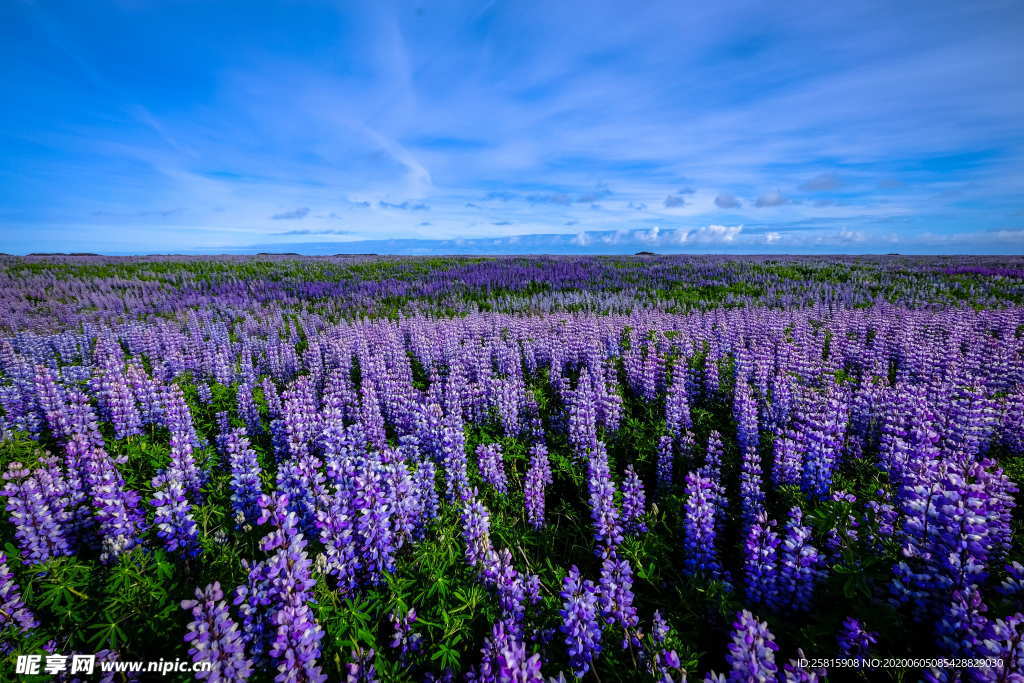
[[579, 621], [37, 507], [699, 527], [426, 489], [361, 667], [504, 658], [245, 477], [492, 467], [116, 512], [761, 568], [752, 651], [13, 611], [276, 617], [374, 513], [615, 595], [403, 639], [173, 520], [604, 513], [213, 636], [1013, 584], [452, 446], [799, 564], [659, 628], [1003, 640], [476, 527], [677, 401], [633, 502], [336, 527], [665, 465], [538, 476], [183, 466], [854, 640]]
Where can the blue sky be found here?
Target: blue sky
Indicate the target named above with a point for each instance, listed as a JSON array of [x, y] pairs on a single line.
[[143, 126]]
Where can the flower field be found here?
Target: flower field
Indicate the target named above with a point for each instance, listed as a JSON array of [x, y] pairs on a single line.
[[515, 469]]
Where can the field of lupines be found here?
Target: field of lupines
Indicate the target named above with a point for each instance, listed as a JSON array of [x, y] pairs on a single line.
[[522, 469]]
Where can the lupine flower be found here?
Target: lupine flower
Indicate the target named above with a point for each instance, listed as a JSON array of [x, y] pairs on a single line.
[[403, 639], [799, 564], [213, 636], [665, 464], [633, 501], [699, 527], [603, 511], [173, 520], [854, 640], [579, 620], [752, 651], [492, 468], [245, 477], [615, 594], [36, 503], [504, 659], [538, 476], [361, 667], [762, 562], [13, 611], [276, 618]]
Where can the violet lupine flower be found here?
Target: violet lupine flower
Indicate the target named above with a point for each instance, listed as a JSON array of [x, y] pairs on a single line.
[[116, 512], [425, 481], [452, 446], [492, 467], [751, 495], [824, 427], [361, 667], [604, 513], [1013, 584], [752, 651], [761, 568], [953, 523], [677, 401], [579, 620], [1003, 639], [37, 507], [514, 592], [615, 595], [854, 640], [789, 450], [504, 658], [336, 526], [699, 527], [245, 477], [213, 636], [800, 564], [302, 480], [276, 617], [13, 611], [403, 639], [374, 511], [183, 439], [173, 520], [476, 530], [633, 502], [665, 464], [537, 477]]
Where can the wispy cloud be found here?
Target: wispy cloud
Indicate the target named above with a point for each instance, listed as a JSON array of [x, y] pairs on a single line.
[[821, 183], [774, 198], [725, 200], [404, 206], [314, 232], [294, 214]]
